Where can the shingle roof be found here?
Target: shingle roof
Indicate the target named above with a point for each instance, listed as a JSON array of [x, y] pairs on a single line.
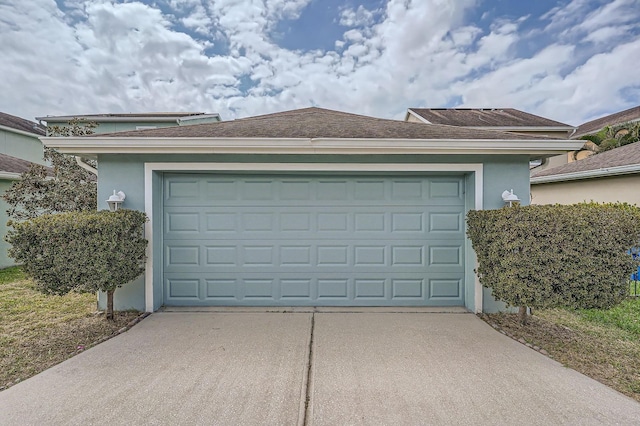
[[9, 164], [319, 123], [624, 156], [485, 117], [21, 124], [593, 126]]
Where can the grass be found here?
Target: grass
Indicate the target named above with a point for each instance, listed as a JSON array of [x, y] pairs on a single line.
[[602, 344], [38, 331]]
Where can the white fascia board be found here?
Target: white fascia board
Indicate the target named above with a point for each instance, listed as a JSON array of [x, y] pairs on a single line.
[[99, 119], [10, 176], [416, 115], [523, 128], [588, 174], [199, 117], [20, 132], [90, 146]]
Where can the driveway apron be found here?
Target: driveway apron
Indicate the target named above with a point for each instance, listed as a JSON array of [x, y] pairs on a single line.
[[441, 369], [176, 368], [314, 367]]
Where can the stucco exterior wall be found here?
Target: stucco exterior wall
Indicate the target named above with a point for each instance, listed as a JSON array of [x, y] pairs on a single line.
[[625, 188], [21, 146], [126, 173], [24, 147]]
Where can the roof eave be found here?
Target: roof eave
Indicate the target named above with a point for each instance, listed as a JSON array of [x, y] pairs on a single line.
[[199, 117], [524, 128], [10, 175], [207, 145], [21, 132], [587, 174], [99, 119]]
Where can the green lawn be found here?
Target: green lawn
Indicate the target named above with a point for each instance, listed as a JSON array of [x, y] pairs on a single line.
[[625, 316], [38, 331]]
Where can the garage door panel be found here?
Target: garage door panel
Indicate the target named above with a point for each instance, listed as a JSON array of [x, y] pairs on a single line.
[[295, 240], [330, 289], [418, 222], [238, 191], [234, 256]]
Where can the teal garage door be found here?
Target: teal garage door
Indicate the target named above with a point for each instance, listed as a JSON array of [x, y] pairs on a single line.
[[313, 241]]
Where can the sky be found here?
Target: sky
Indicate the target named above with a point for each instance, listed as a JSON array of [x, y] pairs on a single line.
[[568, 60]]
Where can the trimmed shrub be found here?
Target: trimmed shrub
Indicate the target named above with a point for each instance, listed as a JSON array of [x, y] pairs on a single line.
[[544, 256], [81, 251]]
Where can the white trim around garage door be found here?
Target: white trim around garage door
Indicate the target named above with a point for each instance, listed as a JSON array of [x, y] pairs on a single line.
[[150, 168]]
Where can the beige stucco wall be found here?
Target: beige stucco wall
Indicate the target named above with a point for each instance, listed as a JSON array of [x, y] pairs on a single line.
[[624, 188]]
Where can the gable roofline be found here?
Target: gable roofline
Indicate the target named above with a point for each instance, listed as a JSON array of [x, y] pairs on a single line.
[[411, 112], [21, 126], [630, 115]]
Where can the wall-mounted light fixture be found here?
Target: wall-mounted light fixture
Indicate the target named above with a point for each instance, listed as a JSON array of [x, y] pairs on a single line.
[[509, 198], [116, 200]]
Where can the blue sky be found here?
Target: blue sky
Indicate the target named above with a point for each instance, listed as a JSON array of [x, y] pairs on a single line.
[[569, 60]]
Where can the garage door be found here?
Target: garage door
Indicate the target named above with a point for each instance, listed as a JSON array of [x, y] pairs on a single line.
[[313, 241]]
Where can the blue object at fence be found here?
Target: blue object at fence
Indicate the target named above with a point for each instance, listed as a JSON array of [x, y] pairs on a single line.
[[635, 252]]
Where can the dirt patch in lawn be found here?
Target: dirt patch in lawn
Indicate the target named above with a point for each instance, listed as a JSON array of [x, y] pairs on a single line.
[[38, 331], [603, 352]]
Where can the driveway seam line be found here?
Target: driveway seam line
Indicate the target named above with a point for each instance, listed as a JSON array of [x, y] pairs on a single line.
[[307, 396]]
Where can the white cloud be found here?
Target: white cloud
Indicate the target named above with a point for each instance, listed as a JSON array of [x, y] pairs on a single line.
[[106, 56], [356, 17]]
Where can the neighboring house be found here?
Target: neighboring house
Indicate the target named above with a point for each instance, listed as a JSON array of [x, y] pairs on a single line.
[[501, 119], [108, 123], [19, 147], [594, 126], [310, 207], [607, 177]]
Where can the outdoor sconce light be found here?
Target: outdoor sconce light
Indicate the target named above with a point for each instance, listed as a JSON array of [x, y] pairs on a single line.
[[509, 198], [116, 200]]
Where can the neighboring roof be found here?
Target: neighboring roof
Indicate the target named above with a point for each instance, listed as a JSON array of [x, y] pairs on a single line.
[[593, 126], [12, 165], [319, 123], [623, 160], [8, 122], [312, 131], [148, 116], [485, 117]]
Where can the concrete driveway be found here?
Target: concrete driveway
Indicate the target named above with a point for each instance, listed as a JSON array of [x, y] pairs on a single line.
[[328, 367]]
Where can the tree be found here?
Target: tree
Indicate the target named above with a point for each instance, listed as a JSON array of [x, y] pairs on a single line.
[[615, 136], [83, 252], [63, 187]]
